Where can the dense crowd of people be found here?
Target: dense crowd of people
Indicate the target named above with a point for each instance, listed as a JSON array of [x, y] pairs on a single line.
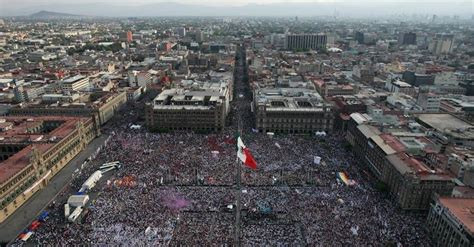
[[180, 189], [183, 193]]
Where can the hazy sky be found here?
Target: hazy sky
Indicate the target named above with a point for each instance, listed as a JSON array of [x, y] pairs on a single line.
[[23, 3], [122, 8]]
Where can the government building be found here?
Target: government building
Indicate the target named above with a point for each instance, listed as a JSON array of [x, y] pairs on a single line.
[[291, 110], [182, 109], [100, 106], [33, 150]]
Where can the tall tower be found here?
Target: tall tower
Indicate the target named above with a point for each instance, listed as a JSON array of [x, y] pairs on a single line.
[[129, 36]]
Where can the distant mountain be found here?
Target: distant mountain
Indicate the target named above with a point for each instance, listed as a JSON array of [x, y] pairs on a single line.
[[329, 8], [49, 14]]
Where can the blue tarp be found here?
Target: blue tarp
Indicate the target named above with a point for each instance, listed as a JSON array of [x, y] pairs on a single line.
[[43, 216]]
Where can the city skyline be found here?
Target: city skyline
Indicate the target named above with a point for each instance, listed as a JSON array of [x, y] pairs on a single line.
[[367, 8]]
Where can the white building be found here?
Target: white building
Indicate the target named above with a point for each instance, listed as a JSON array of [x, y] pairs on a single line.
[[75, 83], [181, 31], [429, 101]]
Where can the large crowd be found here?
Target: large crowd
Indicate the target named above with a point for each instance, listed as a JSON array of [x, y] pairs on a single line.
[[181, 189]]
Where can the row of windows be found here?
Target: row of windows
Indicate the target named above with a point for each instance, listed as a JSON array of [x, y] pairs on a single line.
[[17, 179], [297, 115], [59, 145], [64, 152], [293, 131], [286, 120], [187, 113], [319, 126]]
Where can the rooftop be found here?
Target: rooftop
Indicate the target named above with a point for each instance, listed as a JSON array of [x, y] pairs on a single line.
[[19, 134], [406, 164], [293, 99], [462, 209], [448, 124], [444, 121], [73, 79], [401, 83], [188, 99]]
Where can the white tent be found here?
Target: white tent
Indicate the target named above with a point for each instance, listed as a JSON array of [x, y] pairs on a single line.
[[78, 200], [135, 127], [317, 160], [320, 133]]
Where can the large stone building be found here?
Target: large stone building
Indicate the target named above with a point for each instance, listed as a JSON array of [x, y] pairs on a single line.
[[398, 159], [451, 221], [182, 109], [291, 110], [101, 108], [33, 150], [413, 183]]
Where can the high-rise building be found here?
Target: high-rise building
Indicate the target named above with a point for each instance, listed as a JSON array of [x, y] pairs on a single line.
[[126, 36], [442, 44], [199, 36], [359, 37], [129, 36], [305, 41], [407, 38], [181, 31]]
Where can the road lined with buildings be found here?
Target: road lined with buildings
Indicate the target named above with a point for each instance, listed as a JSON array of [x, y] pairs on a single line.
[[23, 216]]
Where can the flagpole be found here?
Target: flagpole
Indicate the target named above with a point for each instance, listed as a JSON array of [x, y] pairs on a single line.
[[239, 187]]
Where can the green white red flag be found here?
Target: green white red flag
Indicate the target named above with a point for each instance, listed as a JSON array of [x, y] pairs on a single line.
[[244, 154]]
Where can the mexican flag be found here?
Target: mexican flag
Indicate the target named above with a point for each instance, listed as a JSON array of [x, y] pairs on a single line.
[[243, 153]]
